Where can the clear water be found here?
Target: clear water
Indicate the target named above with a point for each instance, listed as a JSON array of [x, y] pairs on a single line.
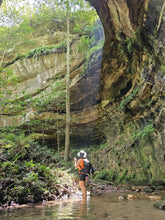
[[94, 208]]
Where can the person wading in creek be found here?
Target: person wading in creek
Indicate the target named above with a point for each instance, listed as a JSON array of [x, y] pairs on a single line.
[[80, 166]]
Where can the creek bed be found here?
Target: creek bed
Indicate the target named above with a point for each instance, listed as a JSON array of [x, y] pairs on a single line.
[[107, 206]]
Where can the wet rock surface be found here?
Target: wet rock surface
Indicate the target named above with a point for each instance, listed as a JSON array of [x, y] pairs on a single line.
[[160, 205]]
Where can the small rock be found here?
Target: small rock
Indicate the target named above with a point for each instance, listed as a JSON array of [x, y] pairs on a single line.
[[162, 207], [154, 197], [131, 197], [138, 190], [133, 188], [121, 197], [13, 203]]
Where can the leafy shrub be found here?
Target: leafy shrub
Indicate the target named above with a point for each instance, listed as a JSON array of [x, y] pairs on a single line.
[[145, 133], [114, 176], [106, 175], [61, 47]]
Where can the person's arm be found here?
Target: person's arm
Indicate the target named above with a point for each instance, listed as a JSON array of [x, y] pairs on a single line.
[[76, 164]]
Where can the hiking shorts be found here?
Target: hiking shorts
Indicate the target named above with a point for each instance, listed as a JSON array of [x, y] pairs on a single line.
[[82, 177]]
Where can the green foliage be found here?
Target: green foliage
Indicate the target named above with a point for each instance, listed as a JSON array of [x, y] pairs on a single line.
[[128, 50], [84, 44], [7, 79], [55, 96], [24, 168], [162, 68], [141, 181], [61, 47], [145, 133], [86, 22], [106, 175], [58, 48], [92, 39], [95, 48], [87, 44], [10, 36], [94, 52], [132, 44], [44, 19], [103, 145], [49, 18], [114, 176], [127, 99]]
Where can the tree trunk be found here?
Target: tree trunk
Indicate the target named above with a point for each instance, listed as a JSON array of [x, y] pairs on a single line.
[[67, 138], [58, 132]]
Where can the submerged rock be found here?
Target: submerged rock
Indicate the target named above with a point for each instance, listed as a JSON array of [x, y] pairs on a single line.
[[131, 197], [121, 197], [160, 205], [154, 197]]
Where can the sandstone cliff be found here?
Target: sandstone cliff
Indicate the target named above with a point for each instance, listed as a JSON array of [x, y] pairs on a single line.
[[132, 88]]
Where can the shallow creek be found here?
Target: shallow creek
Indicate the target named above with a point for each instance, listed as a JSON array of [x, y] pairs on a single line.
[[102, 207]]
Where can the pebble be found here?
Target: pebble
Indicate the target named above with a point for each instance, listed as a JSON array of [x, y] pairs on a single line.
[[121, 197], [131, 197]]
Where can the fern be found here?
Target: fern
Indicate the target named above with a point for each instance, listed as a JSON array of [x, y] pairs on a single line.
[[146, 132]]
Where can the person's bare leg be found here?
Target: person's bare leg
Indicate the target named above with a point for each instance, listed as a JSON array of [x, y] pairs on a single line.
[[83, 188]]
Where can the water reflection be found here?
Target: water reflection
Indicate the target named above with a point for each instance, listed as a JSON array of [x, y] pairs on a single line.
[[107, 207], [75, 208]]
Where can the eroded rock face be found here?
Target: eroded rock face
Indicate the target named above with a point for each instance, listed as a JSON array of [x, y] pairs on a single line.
[[139, 92], [160, 127], [37, 75], [121, 20]]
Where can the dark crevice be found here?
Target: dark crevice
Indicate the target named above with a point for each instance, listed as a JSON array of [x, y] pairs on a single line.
[[125, 89]]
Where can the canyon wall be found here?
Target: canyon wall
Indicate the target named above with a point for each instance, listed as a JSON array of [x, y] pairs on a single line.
[[132, 88]]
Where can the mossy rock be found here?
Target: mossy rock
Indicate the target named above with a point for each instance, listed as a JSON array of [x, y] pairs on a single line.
[[147, 190], [160, 205]]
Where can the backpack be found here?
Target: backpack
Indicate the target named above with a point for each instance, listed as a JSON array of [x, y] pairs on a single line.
[[88, 168]]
